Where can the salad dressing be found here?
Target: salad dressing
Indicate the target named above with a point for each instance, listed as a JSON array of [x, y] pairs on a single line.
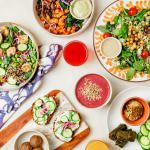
[[110, 47], [81, 9]]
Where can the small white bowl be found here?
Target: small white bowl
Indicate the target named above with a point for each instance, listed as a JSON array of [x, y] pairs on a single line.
[[25, 137], [108, 100], [85, 17], [120, 45]]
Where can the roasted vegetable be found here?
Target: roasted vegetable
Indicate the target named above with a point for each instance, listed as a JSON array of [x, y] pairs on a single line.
[[121, 144], [127, 135], [112, 134]]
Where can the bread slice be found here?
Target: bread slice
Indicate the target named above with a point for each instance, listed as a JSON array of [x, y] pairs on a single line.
[[81, 119], [49, 118]]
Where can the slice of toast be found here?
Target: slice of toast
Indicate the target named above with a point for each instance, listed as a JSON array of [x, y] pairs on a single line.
[[81, 119], [49, 118]]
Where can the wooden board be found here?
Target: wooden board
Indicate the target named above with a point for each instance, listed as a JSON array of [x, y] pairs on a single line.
[[12, 129]]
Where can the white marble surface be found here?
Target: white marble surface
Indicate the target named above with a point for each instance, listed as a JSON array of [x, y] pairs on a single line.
[[63, 76]]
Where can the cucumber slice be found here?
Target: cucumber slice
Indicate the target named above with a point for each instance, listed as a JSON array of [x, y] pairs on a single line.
[[5, 46], [67, 133], [144, 140], [38, 102], [64, 119], [11, 80], [51, 106], [37, 113], [148, 136], [145, 146], [2, 72], [22, 47], [75, 117], [139, 136], [147, 124], [144, 130], [70, 115]]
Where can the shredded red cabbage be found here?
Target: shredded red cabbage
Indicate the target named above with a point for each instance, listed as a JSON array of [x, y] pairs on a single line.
[[1, 83], [53, 24], [65, 2], [70, 1]]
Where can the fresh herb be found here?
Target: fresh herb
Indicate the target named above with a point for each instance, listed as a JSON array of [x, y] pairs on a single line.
[[124, 31], [117, 32], [22, 33], [116, 19], [138, 65], [103, 29], [126, 53], [130, 74], [6, 60], [109, 26], [27, 74], [15, 29]]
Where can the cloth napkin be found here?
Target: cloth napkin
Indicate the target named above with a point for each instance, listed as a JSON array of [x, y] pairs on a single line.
[[10, 101]]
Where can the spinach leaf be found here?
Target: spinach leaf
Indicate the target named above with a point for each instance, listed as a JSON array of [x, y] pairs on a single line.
[[122, 66], [22, 33], [126, 53], [15, 29], [28, 74], [116, 19], [6, 60], [138, 65], [109, 26], [139, 16], [117, 32], [148, 44], [124, 31], [103, 29], [130, 74]]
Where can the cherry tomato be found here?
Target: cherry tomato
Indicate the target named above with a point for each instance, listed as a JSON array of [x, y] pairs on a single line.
[[145, 54], [132, 11], [106, 35]]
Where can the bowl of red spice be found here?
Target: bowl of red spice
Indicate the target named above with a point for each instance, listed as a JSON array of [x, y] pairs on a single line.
[[93, 91]]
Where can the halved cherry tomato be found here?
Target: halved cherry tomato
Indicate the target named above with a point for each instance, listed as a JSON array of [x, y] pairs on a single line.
[[132, 11], [145, 54], [106, 35]]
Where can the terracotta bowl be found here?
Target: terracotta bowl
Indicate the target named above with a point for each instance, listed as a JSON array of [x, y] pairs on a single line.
[[143, 118]]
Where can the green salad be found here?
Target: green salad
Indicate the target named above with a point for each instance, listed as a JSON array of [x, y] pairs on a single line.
[[132, 28]]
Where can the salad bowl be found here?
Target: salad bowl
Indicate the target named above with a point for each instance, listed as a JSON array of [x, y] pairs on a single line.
[[9, 84], [41, 23], [109, 13]]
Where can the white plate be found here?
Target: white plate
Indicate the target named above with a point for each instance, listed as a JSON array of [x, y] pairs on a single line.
[[114, 116], [25, 137], [41, 23], [107, 15]]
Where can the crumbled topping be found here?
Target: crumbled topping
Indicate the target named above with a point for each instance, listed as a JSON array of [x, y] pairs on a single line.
[[90, 90]]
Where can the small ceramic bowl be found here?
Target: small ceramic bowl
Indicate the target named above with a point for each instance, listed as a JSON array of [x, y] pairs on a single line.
[[85, 17], [143, 118], [25, 137], [120, 46], [100, 81]]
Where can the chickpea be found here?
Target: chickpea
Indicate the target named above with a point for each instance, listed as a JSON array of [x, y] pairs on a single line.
[[124, 44], [146, 23], [145, 15], [148, 12], [136, 39], [132, 48], [135, 35], [131, 39], [134, 32], [129, 33], [131, 42], [133, 29], [128, 39], [137, 46], [128, 43], [142, 42]]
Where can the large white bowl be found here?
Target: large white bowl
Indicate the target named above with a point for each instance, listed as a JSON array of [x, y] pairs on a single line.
[[41, 23], [6, 86]]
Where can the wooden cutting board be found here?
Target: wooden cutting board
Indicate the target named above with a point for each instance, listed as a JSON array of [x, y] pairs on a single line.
[[11, 130]]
